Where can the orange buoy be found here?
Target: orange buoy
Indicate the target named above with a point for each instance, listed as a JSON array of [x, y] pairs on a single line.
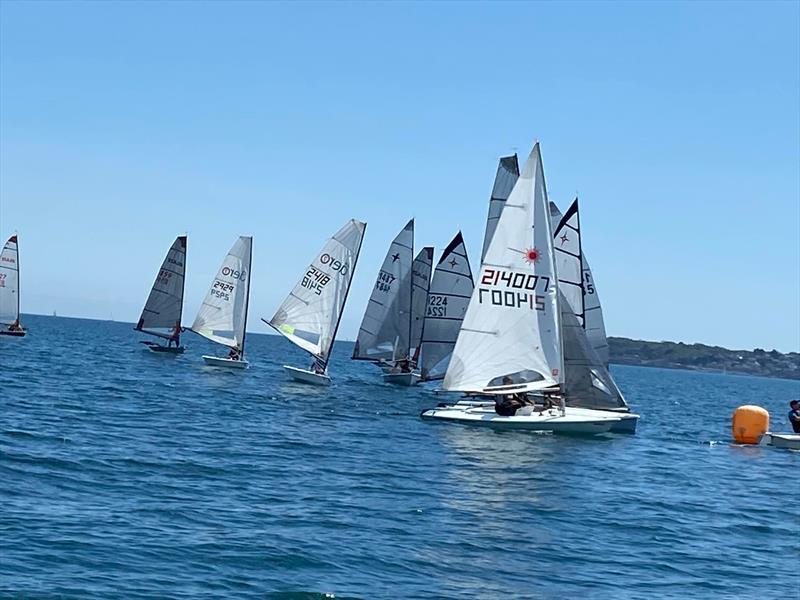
[[749, 424]]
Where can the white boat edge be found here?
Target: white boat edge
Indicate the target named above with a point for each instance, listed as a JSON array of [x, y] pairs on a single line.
[[574, 420], [219, 361], [406, 379], [305, 376], [787, 441]]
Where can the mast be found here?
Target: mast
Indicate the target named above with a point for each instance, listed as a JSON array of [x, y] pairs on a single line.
[[410, 297], [247, 297], [183, 291], [19, 287], [344, 302]]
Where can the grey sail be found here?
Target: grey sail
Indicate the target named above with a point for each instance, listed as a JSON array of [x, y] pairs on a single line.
[[448, 299], [504, 180], [385, 329], [420, 283], [587, 382], [592, 312], [161, 315]]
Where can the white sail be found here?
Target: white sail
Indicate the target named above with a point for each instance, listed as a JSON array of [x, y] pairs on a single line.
[[222, 317], [9, 283], [310, 315], [592, 312], [512, 327], [420, 283], [448, 298], [386, 329], [161, 315], [504, 180]]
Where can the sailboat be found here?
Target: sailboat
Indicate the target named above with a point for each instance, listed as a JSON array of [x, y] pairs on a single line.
[[222, 317], [9, 290], [511, 341], [588, 383], [385, 337], [448, 298], [403, 371], [310, 315], [161, 315]]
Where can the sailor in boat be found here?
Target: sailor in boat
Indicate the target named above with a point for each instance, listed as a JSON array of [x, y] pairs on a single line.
[[402, 366], [15, 326], [508, 404], [234, 353], [794, 415], [176, 337], [318, 367]]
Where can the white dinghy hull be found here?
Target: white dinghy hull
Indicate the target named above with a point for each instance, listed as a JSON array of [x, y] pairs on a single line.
[[219, 361], [574, 421], [406, 379], [789, 441], [304, 376]]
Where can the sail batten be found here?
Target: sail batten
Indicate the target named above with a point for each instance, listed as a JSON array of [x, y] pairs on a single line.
[[310, 315], [448, 298], [515, 299], [222, 317], [161, 315]]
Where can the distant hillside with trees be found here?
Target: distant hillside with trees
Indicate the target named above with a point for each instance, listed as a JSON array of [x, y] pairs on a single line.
[[700, 357]]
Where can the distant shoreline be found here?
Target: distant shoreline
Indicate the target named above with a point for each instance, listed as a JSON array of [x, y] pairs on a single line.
[[703, 358], [663, 355]]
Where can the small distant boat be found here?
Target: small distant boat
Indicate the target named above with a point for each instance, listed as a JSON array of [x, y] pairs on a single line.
[[161, 315], [448, 298], [222, 317], [512, 338], [391, 329], [310, 315], [9, 290]]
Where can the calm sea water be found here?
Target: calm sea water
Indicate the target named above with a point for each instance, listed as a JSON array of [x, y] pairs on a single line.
[[129, 475]]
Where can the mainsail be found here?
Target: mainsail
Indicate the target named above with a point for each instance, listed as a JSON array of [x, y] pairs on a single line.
[[9, 283], [504, 180], [310, 315], [222, 317], [385, 329], [448, 298], [592, 312], [420, 283], [161, 315], [511, 331]]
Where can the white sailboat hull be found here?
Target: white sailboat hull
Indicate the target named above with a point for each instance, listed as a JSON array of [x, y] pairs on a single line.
[[304, 376], [574, 420], [789, 441], [406, 379], [218, 361]]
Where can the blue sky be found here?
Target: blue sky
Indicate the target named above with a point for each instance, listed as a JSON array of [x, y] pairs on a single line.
[[125, 124]]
